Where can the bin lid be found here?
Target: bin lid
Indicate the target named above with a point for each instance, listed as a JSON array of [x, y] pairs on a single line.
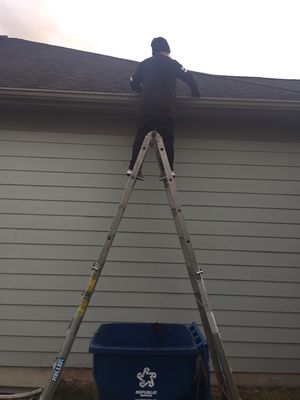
[[147, 338]]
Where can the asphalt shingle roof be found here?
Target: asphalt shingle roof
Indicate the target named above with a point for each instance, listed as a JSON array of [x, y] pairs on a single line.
[[32, 65]]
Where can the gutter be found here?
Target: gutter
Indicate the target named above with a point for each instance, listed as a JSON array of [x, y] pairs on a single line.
[[128, 102]]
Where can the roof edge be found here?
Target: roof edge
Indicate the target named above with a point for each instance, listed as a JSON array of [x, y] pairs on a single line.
[[102, 100]]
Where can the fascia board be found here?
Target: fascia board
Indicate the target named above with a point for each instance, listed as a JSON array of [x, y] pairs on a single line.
[[126, 102]]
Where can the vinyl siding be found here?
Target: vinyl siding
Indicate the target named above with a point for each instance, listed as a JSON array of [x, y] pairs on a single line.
[[240, 198]]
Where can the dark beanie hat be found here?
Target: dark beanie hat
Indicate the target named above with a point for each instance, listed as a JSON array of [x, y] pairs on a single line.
[[160, 44]]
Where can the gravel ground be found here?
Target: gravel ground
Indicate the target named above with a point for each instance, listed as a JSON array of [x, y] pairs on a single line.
[[76, 390]]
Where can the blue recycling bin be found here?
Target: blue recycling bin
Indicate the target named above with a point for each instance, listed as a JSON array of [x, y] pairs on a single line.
[[138, 361]]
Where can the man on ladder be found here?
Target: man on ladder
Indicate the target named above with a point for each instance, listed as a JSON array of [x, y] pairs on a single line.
[[155, 78]]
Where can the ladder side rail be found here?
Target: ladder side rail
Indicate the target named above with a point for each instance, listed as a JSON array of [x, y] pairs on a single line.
[[176, 208], [97, 268], [123, 203], [207, 316], [190, 258], [184, 237], [230, 388]]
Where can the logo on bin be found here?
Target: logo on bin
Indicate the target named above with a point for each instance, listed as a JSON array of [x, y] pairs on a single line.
[[146, 378]]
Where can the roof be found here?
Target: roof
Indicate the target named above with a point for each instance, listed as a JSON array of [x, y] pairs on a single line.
[[30, 65]]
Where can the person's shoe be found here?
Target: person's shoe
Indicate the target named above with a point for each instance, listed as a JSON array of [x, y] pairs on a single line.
[[140, 175], [163, 175]]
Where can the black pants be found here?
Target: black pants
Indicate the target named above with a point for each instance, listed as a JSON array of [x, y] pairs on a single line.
[[164, 125]]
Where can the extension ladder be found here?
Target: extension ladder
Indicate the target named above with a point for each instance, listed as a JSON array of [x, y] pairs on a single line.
[[223, 371]]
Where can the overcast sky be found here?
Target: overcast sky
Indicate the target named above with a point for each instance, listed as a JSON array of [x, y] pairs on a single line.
[[226, 37]]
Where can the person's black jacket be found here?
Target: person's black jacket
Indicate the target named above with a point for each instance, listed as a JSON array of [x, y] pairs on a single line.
[[155, 79]]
